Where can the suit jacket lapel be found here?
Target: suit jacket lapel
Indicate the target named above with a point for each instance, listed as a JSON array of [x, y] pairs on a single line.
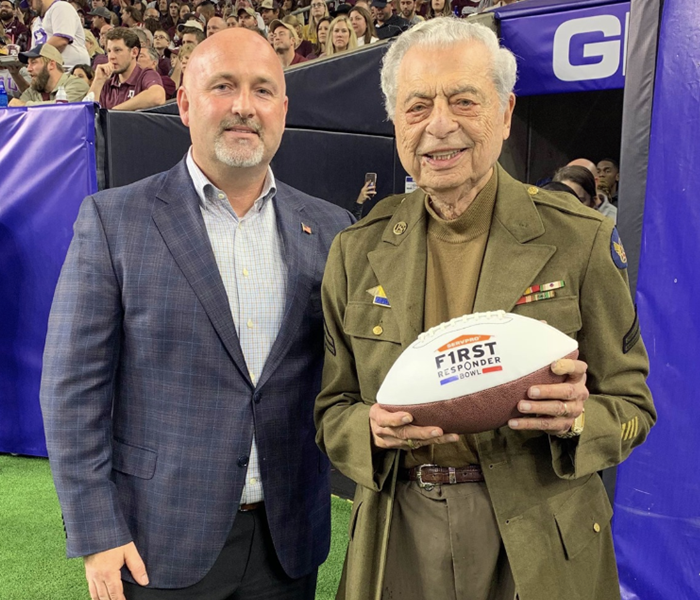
[[512, 261], [179, 221], [301, 251], [399, 264]]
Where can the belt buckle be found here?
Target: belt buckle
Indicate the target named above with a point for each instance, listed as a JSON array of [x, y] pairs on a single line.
[[419, 478]]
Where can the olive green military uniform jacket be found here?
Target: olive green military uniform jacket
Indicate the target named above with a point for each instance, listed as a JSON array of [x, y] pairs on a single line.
[[76, 90], [551, 507]]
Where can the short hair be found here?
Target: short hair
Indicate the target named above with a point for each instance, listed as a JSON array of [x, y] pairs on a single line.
[[444, 32], [200, 35], [152, 24], [611, 160], [165, 31], [580, 175], [130, 39], [185, 50], [145, 36], [153, 53]]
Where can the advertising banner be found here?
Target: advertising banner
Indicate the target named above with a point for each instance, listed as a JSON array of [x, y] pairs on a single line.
[[574, 50]]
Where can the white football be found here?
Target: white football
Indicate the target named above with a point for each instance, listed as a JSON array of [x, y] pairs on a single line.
[[467, 375]]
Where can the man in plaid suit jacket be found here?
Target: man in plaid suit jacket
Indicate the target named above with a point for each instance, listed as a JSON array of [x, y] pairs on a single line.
[[184, 353]]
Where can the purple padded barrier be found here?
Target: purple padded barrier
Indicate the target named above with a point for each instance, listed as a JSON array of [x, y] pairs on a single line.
[[47, 167], [657, 504]]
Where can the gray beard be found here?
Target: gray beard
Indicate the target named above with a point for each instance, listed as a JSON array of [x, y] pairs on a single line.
[[242, 155]]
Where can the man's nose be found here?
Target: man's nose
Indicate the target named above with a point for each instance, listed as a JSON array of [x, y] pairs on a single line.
[[243, 103], [441, 121]]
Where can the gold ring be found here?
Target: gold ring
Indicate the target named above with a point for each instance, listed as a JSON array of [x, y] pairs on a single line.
[[411, 444], [566, 410]]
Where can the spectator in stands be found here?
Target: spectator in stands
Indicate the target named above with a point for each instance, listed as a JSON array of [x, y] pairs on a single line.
[[101, 59], [318, 10], [362, 25], [145, 37], [152, 25], [304, 47], [121, 84], [206, 10], [171, 21], [191, 31], [558, 186], [214, 25], [84, 72], [322, 29], [388, 24], [408, 11], [284, 41], [132, 16], [100, 17], [151, 13], [341, 36], [148, 59], [609, 174], [180, 61], [269, 11], [185, 11], [91, 45], [15, 30], [231, 21], [60, 27], [45, 65], [248, 18], [163, 7], [439, 8], [161, 43], [289, 6], [586, 164]]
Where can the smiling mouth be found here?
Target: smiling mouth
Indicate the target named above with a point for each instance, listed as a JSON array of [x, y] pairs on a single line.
[[444, 156]]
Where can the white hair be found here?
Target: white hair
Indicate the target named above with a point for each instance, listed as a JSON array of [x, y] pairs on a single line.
[[444, 32]]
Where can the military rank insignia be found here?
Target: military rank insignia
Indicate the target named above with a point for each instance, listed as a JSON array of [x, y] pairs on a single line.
[[629, 430], [617, 251]]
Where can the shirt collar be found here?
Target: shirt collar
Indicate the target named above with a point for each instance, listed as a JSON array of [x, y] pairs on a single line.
[[207, 192], [131, 81]]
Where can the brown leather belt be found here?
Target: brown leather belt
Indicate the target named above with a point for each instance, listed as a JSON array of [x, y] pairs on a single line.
[[428, 476], [249, 507]]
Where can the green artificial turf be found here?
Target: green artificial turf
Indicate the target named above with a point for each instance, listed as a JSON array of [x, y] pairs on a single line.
[[33, 564]]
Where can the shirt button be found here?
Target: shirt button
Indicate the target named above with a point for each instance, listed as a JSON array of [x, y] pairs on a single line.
[[243, 461], [253, 481], [596, 527], [245, 272], [250, 323], [378, 330], [221, 196], [257, 397]]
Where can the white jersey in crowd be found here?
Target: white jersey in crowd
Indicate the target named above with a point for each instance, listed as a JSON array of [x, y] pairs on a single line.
[[62, 20]]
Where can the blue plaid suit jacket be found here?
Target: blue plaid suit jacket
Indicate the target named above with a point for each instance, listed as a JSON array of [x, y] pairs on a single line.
[[148, 407]]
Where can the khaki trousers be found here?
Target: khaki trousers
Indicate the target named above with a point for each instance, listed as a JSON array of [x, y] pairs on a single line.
[[444, 544]]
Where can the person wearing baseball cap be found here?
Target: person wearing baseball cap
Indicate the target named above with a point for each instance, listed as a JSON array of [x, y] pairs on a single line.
[[388, 24], [45, 65], [248, 18], [269, 11], [191, 30], [100, 17], [284, 41]]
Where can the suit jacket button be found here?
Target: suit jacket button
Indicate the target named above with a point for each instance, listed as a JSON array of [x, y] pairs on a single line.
[[242, 461], [257, 397]]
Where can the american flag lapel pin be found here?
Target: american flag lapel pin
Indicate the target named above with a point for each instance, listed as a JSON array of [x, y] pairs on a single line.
[[306, 229]]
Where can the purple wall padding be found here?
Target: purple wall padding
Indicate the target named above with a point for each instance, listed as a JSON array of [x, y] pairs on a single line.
[[47, 167], [657, 504]]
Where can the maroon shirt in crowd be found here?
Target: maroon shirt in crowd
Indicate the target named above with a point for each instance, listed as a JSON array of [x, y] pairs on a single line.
[[114, 92], [164, 67], [305, 48], [298, 58], [18, 33], [99, 59], [169, 87]]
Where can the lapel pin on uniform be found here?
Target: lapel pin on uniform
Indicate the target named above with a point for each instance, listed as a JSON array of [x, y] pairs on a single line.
[[306, 229]]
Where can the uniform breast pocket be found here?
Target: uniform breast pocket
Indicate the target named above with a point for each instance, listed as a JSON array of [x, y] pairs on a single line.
[[561, 313], [376, 343]]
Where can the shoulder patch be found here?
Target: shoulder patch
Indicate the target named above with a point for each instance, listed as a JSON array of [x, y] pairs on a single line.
[[632, 336], [617, 251]]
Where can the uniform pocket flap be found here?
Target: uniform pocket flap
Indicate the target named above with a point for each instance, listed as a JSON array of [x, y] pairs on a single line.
[[561, 313], [132, 460], [584, 517], [364, 320]]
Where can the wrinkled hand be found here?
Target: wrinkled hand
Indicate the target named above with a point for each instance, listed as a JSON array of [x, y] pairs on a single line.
[[367, 192], [103, 72], [103, 571], [555, 406], [392, 430]]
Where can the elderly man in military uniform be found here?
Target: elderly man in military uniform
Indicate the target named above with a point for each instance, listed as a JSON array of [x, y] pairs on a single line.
[[518, 511]]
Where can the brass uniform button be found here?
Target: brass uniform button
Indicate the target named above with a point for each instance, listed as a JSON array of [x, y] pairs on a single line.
[[400, 227], [378, 330], [596, 527], [532, 190]]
